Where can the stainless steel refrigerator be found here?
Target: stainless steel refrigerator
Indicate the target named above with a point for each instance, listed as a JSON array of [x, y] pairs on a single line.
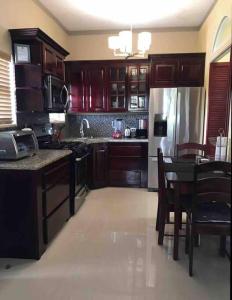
[[176, 116]]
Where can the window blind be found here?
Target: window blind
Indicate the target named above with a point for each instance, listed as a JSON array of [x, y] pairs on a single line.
[[7, 95]]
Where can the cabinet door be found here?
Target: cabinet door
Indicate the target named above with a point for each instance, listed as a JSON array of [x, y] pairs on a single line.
[[100, 165], [164, 72], [49, 60], [191, 71], [96, 88], [138, 87], [78, 91], [117, 88], [59, 66]]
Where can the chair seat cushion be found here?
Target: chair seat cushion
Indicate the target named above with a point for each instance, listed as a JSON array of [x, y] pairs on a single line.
[[213, 212]]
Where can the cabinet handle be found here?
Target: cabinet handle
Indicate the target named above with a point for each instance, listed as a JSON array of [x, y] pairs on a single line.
[[83, 97], [90, 96]]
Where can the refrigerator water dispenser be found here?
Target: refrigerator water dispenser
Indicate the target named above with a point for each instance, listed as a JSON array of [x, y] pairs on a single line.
[[160, 125]]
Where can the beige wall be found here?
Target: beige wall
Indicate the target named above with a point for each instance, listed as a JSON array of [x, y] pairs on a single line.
[[207, 35], [94, 46], [23, 14], [208, 31]]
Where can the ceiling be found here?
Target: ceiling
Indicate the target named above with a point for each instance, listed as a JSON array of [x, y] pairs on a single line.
[[109, 15]]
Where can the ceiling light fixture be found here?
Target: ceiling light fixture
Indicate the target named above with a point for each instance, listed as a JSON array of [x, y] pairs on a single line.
[[122, 44]]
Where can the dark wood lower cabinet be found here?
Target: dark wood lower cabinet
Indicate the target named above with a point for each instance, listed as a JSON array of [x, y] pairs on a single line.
[[34, 205], [100, 165], [119, 164], [128, 164]]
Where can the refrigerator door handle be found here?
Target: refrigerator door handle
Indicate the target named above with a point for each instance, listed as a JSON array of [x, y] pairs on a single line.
[[177, 135]]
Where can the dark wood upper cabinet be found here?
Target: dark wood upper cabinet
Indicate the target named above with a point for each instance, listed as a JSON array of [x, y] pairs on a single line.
[[103, 86], [44, 50], [164, 72], [53, 63], [117, 101], [176, 70], [96, 88], [138, 88], [191, 70]]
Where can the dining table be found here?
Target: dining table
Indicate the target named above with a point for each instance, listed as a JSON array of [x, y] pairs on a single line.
[[180, 172]]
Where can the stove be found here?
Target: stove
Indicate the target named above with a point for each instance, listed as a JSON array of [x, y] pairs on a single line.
[[80, 163]]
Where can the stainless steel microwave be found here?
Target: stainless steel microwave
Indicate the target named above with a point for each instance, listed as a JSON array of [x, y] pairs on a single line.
[[56, 94]]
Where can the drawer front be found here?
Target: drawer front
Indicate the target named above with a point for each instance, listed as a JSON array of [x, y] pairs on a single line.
[[56, 195], [55, 173], [126, 150], [124, 178], [125, 163], [55, 222]]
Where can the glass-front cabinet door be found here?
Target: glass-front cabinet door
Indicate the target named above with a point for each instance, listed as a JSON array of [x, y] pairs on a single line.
[[138, 88], [117, 88]]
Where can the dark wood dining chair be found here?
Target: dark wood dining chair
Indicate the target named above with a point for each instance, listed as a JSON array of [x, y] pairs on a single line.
[[210, 211], [165, 200], [191, 150]]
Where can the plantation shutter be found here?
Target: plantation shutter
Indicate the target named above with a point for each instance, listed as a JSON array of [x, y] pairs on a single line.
[[219, 99], [7, 103]]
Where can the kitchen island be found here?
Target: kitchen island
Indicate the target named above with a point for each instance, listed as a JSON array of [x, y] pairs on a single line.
[[34, 202]]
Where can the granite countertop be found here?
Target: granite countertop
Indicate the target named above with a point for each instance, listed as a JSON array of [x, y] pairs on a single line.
[[36, 162], [104, 140]]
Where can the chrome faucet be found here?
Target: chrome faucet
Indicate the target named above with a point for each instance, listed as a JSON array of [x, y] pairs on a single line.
[[82, 127]]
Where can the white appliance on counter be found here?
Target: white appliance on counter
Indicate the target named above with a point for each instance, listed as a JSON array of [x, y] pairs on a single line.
[[176, 116]]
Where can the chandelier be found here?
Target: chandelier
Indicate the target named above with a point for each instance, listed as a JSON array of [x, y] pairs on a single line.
[[122, 44]]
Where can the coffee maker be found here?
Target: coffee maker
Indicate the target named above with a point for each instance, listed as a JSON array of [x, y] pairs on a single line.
[[141, 131]]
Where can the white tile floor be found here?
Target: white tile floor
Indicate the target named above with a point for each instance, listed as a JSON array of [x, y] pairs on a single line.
[[109, 251]]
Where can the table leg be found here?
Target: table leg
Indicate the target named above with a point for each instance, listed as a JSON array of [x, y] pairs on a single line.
[[177, 209]]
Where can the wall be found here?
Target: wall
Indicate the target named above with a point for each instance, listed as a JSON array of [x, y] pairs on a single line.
[[206, 38], [23, 14], [208, 31], [94, 46]]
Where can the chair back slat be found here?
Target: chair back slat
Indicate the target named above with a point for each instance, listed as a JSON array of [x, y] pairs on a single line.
[[211, 183], [183, 150]]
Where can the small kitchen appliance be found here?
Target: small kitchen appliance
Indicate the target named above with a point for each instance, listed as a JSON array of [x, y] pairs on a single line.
[[127, 133], [141, 131], [117, 125], [17, 144]]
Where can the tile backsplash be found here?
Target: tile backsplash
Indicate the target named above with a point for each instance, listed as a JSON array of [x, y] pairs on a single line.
[[100, 125]]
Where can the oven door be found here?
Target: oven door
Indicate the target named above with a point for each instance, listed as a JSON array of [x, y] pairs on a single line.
[[56, 94]]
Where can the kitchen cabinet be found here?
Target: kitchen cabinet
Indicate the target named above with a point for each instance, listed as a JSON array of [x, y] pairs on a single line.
[[100, 165], [138, 88], [46, 57], [128, 164], [117, 88], [105, 86], [29, 92], [95, 86], [53, 62], [177, 70], [88, 87], [35, 209]]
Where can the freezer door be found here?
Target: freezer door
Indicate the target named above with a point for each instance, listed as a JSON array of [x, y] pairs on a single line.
[[153, 173], [190, 115], [162, 120]]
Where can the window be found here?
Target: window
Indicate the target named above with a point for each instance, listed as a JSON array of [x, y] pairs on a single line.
[[223, 36], [7, 92]]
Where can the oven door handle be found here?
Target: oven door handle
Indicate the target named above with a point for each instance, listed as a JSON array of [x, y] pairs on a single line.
[[64, 88], [81, 158]]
